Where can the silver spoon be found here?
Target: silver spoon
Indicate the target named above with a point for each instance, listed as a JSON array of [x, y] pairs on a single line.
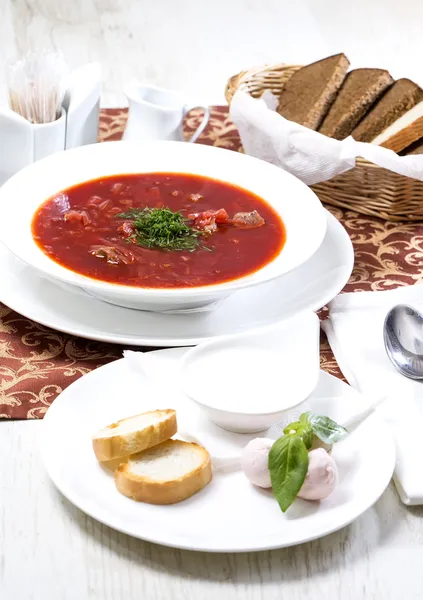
[[403, 338]]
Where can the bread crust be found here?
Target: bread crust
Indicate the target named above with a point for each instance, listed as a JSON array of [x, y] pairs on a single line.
[[151, 491], [415, 148], [123, 444], [400, 140]]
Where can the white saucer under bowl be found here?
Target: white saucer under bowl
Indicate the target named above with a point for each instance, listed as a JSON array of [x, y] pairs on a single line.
[[229, 515], [71, 310]]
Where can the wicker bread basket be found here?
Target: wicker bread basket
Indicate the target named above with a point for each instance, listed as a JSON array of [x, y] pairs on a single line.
[[367, 188]]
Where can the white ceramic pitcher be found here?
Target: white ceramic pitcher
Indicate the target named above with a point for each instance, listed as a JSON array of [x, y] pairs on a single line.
[[157, 114]]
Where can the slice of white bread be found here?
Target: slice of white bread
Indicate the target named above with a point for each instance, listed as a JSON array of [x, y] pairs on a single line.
[[165, 474], [404, 131], [134, 434]]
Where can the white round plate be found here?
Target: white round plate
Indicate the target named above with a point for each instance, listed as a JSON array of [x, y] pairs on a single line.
[[70, 310], [229, 515]]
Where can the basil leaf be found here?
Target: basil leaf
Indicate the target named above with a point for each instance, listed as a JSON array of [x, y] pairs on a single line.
[[301, 428], [292, 427], [305, 419], [288, 464], [307, 435], [327, 430]]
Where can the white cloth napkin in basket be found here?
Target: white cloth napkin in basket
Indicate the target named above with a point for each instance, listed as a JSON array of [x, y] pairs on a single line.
[[307, 154], [355, 333]]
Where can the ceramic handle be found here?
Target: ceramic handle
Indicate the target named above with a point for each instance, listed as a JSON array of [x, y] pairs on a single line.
[[203, 123]]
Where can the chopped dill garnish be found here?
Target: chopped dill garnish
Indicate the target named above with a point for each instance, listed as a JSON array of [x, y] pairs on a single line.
[[163, 229]]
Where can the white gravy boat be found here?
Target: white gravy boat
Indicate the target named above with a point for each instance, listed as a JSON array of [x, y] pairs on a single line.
[[157, 114]]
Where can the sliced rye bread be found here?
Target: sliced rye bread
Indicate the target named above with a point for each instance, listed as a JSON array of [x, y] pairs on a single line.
[[165, 474], [307, 96], [400, 98], [134, 434], [404, 131], [362, 87]]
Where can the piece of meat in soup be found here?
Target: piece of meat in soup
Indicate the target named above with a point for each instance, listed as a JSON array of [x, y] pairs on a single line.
[[78, 216], [247, 220], [112, 255]]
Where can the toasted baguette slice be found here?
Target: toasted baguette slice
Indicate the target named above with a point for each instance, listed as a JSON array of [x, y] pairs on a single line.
[[361, 89], [400, 98], [306, 97], [406, 130], [165, 474], [134, 434]]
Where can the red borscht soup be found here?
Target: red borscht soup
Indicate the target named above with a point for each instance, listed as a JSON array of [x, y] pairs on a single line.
[[159, 230]]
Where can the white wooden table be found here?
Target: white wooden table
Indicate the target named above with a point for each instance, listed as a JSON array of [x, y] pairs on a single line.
[[48, 549]]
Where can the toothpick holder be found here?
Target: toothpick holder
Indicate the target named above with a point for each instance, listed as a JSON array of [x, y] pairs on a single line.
[[49, 137], [22, 142]]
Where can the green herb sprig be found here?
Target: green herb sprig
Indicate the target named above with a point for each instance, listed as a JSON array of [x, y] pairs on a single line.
[[163, 229], [288, 457]]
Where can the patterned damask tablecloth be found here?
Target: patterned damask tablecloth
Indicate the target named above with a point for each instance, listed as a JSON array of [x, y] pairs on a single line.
[[37, 363]]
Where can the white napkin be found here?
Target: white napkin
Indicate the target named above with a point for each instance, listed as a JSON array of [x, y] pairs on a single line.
[[307, 154], [355, 333]]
